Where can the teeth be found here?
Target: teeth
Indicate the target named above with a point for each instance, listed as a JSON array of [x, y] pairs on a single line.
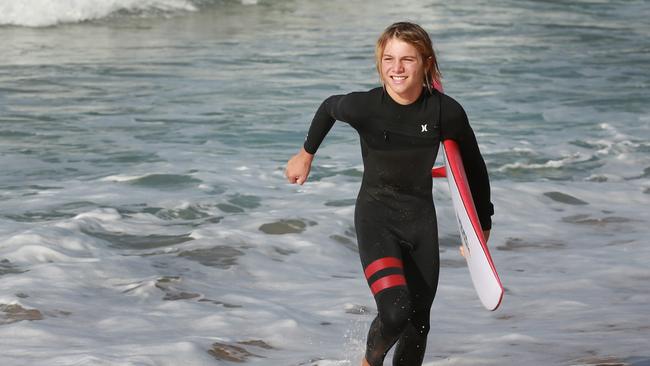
[[399, 77]]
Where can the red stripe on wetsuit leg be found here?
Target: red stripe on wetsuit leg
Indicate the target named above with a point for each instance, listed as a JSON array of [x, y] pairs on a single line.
[[387, 282], [381, 263]]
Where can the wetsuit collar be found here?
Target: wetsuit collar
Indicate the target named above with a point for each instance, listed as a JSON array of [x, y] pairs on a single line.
[[422, 95]]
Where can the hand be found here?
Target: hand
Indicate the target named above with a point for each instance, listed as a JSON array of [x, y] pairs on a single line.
[[298, 167]]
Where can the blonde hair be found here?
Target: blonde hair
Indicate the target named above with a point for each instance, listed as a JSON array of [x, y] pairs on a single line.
[[417, 37]]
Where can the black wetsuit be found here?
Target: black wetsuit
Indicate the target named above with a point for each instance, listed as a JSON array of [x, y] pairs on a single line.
[[395, 218]]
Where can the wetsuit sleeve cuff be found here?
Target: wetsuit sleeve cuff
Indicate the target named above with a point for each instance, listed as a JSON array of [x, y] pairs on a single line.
[[486, 218], [486, 225], [308, 148]]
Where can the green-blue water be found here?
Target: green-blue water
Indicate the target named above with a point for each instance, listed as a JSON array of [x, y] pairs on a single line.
[[142, 159]]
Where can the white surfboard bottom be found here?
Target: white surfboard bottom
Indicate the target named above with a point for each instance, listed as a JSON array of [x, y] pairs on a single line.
[[485, 280]]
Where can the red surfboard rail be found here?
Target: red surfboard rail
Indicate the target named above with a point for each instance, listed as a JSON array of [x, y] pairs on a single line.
[[452, 151], [456, 167]]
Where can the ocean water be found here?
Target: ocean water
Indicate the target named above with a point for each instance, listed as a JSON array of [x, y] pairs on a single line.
[[145, 218]]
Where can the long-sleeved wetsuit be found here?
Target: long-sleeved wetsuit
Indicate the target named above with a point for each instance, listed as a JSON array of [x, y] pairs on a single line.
[[395, 219]]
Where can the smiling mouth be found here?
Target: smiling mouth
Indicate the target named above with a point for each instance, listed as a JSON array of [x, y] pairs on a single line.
[[398, 78]]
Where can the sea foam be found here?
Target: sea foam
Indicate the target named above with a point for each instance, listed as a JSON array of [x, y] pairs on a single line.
[[42, 13]]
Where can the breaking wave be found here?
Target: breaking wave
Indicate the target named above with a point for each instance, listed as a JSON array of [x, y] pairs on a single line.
[[44, 13]]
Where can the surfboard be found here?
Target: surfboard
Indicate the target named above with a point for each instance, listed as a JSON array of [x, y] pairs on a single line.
[[481, 267]]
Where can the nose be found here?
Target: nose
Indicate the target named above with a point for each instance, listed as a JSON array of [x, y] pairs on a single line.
[[399, 66]]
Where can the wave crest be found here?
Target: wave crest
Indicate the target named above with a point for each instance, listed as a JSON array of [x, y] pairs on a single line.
[[43, 13]]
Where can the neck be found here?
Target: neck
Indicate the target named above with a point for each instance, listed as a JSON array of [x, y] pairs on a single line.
[[406, 97]]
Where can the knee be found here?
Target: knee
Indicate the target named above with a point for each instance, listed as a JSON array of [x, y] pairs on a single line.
[[395, 319], [395, 314]]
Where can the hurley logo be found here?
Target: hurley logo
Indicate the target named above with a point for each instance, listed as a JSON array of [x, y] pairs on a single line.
[[424, 128]]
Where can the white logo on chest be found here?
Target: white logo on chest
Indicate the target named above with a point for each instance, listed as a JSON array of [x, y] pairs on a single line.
[[424, 128]]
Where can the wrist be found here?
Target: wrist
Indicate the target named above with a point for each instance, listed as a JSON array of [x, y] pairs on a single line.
[[303, 153]]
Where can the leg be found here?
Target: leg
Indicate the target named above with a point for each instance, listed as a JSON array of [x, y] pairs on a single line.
[[413, 341], [381, 257], [394, 307]]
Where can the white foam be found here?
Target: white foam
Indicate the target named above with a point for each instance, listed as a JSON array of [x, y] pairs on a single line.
[[41, 13], [122, 178], [558, 163], [103, 214]]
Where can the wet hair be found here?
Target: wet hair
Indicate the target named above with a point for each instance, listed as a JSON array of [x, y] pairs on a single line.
[[417, 37]]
